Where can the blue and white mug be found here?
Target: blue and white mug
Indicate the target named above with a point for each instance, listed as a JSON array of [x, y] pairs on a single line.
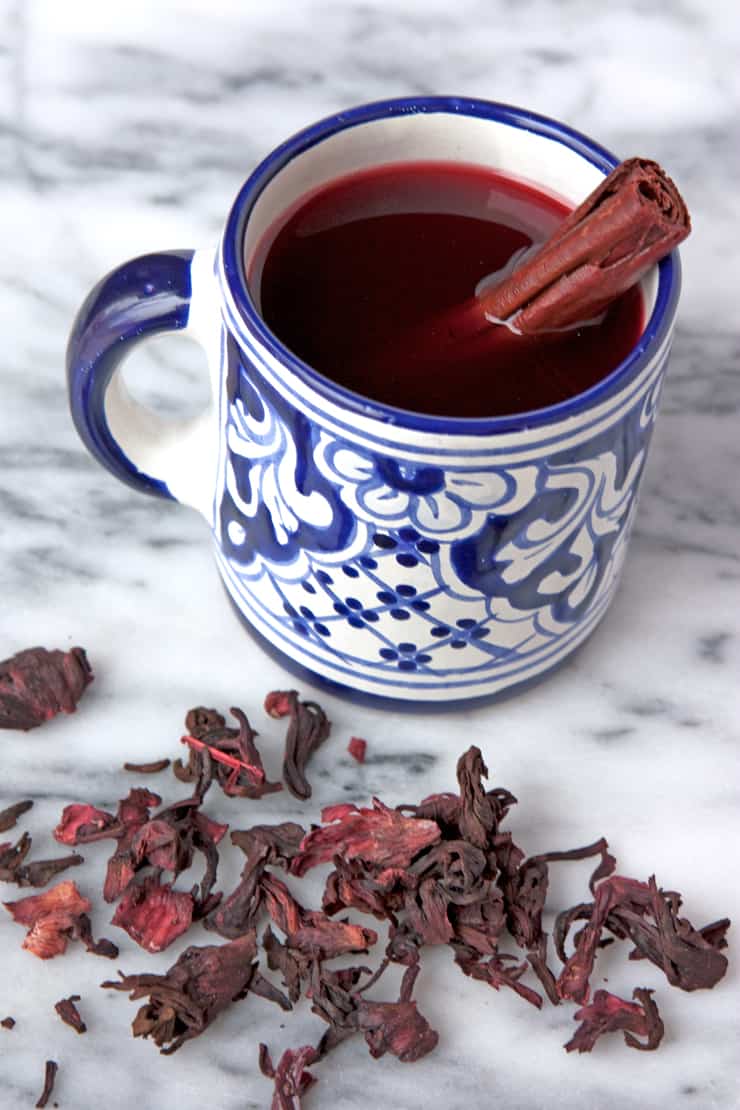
[[389, 553]]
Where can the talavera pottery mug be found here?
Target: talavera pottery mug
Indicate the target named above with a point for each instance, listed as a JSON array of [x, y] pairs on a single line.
[[411, 557]]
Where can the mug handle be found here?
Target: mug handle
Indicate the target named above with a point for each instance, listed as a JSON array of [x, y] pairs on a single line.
[[172, 291]]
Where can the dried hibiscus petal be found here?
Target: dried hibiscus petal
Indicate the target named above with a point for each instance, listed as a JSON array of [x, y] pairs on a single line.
[[9, 816], [690, 960], [311, 932], [350, 886], [38, 872], [154, 915], [36, 684], [499, 970], [357, 748], [598, 848], [477, 818], [573, 982], [69, 1013], [52, 918], [160, 844], [426, 914], [82, 824], [237, 914], [13, 855], [214, 830], [50, 1073], [309, 727], [609, 1014], [199, 985], [279, 842], [397, 1027], [479, 925], [133, 810], [293, 966], [379, 836], [292, 1078], [152, 768]]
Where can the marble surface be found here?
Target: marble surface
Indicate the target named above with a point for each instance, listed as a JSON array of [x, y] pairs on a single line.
[[125, 128]]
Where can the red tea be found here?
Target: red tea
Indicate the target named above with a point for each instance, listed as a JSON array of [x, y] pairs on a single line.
[[376, 257]]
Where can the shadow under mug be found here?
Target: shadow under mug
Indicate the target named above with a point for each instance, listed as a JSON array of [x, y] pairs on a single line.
[[413, 558]]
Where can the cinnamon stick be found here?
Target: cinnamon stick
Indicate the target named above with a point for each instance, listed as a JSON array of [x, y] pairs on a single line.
[[634, 218]]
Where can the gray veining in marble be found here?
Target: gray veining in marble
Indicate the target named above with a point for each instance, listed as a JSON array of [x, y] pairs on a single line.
[[127, 128]]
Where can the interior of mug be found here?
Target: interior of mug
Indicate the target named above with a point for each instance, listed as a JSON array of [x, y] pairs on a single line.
[[538, 159]]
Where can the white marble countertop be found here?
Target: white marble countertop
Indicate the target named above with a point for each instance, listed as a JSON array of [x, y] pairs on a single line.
[[126, 128]]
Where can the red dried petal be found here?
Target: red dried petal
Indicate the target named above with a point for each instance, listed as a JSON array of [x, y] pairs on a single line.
[[323, 938], [81, 823], [479, 925], [573, 979], [119, 873], [49, 935], [689, 960], [281, 905], [426, 914], [379, 836], [9, 816], [212, 829], [311, 931], [154, 915], [50, 917], [499, 971], [134, 809], [69, 1013], [396, 1027], [292, 1079], [357, 748], [609, 1014], [158, 843], [62, 898], [279, 703]]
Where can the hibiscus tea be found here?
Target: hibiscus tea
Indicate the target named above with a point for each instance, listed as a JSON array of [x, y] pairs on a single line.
[[370, 259]]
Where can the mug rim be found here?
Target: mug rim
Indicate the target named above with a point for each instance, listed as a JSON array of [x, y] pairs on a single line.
[[651, 340]]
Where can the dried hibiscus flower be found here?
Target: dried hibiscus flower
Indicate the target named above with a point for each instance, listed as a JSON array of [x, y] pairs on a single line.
[[151, 912], [690, 958], [395, 1027], [308, 728], [36, 684], [186, 1000], [292, 1078], [609, 1014], [53, 917], [228, 755]]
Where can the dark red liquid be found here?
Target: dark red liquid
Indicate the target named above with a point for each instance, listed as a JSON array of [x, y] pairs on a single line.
[[376, 257]]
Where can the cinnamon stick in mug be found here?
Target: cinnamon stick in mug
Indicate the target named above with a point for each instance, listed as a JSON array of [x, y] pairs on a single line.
[[634, 218]]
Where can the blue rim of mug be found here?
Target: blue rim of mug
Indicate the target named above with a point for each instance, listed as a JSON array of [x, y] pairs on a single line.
[[651, 340]]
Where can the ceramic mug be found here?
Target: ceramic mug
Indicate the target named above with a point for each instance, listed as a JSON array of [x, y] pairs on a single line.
[[407, 556]]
